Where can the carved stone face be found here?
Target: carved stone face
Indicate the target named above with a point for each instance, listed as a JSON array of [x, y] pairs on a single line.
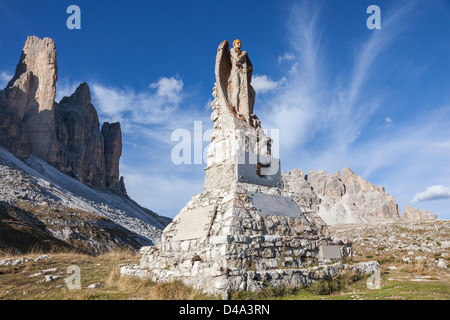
[[237, 44]]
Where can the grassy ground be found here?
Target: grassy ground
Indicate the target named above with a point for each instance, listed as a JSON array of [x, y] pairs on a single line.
[[395, 285], [21, 282], [25, 281]]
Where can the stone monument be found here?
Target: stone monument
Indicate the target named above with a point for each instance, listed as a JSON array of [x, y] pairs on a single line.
[[243, 232]]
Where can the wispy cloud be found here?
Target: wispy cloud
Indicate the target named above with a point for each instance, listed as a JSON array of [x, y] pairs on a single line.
[[312, 106], [388, 120], [5, 77], [287, 56], [328, 121]]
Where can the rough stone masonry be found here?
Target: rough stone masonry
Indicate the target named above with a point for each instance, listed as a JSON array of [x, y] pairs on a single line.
[[244, 231]]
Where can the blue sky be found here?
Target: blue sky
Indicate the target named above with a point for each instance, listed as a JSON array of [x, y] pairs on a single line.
[[341, 95]]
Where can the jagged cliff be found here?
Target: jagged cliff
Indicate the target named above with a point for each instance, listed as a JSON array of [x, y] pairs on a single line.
[[66, 135], [346, 197]]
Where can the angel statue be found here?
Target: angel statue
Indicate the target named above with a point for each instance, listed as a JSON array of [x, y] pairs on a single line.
[[233, 76]]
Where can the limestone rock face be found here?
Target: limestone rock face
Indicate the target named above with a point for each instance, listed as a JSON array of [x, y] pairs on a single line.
[[12, 131], [80, 137], [112, 136], [342, 197], [31, 94], [33, 87], [414, 214], [66, 135]]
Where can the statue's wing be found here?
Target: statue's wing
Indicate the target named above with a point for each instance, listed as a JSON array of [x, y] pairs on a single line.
[[223, 70], [250, 72]]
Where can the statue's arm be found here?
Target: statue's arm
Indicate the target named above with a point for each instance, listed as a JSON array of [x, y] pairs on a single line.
[[235, 56]]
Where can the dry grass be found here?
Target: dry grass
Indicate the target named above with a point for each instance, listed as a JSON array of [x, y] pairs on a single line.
[[16, 283]]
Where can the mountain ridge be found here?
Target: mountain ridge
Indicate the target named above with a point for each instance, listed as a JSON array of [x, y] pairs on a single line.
[[345, 197], [60, 167]]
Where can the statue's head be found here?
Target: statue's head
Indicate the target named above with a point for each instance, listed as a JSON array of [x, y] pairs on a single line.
[[237, 44]]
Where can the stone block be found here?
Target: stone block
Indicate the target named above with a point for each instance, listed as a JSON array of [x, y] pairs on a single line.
[[225, 239]]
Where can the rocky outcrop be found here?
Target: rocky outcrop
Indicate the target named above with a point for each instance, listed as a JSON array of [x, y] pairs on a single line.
[[66, 135], [414, 214], [12, 130], [341, 197], [112, 136], [81, 141], [31, 94]]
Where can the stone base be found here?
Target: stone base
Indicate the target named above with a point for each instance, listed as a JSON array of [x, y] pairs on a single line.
[[223, 283], [222, 242]]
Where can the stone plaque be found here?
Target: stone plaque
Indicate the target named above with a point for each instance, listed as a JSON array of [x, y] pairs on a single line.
[[194, 224], [330, 252], [258, 169], [273, 205]]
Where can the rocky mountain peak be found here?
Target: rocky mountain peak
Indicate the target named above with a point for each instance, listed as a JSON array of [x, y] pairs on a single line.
[[415, 214], [33, 87], [81, 96], [345, 197], [65, 135]]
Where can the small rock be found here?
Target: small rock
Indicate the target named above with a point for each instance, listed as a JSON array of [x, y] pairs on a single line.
[[392, 267], [442, 264], [35, 275], [6, 262], [50, 278], [45, 256], [18, 261], [95, 285]]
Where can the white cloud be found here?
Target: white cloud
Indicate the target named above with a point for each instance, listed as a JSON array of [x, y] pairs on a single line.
[[145, 107], [65, 88], [437, 192], [169, 88], [263, 83], [5, 77], [388, 121]]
